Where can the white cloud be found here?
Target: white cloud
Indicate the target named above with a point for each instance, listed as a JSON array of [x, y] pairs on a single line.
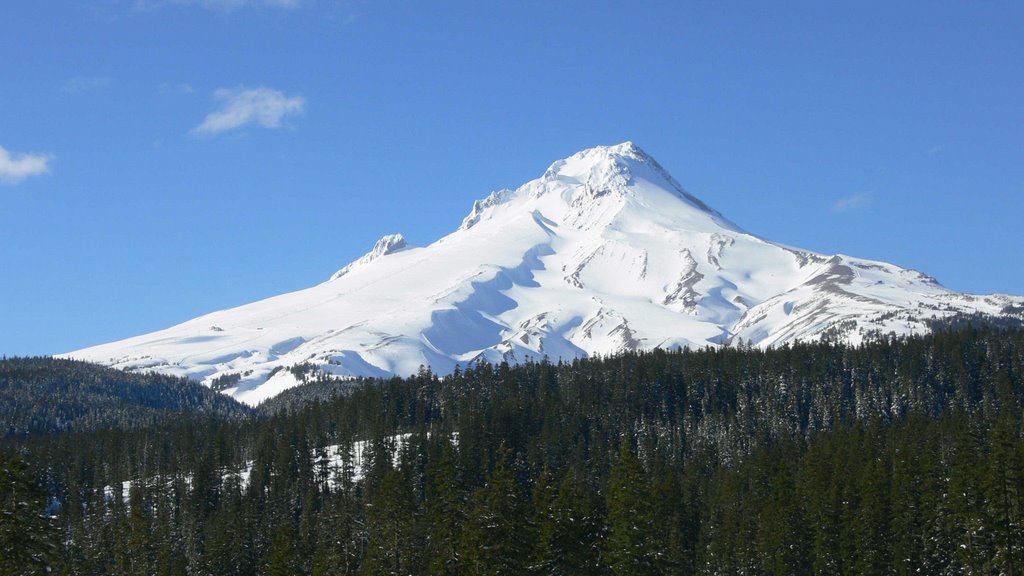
[[241, 106], [85, 84], [16, 167], [223, 5], [854, 202]]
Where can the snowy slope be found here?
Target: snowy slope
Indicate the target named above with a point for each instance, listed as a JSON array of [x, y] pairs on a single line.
[[605, 252]]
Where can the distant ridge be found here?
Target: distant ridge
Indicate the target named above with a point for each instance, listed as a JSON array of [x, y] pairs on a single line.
[[44, 395]]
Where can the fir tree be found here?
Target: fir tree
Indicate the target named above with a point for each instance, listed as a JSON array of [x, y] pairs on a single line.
[[281, 558], [633, 540], [445, 515], [570, 530], [27, 535], [394, 547], [497, 539]]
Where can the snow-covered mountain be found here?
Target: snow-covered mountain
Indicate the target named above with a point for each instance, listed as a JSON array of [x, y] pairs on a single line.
[[604, 252]]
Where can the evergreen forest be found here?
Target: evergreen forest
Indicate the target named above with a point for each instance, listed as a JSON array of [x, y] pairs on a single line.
[[45, 395], [898, 456]]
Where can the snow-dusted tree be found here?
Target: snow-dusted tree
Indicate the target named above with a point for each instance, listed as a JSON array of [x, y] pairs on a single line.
[[27, 535]]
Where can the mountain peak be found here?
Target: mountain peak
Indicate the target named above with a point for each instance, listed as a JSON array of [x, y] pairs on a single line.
[[612, 153], [606, 161], [388, 244], [616, 171]]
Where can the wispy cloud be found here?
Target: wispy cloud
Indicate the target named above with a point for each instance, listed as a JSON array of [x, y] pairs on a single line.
[[16, 167], [85, 84], [935, 150], [177, 88], [855, 202], [242, 106], [222, 5]]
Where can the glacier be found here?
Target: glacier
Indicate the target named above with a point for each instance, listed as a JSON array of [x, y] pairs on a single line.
[[605, 252]]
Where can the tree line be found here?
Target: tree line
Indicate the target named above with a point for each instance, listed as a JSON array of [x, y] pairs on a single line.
[[894, 457]]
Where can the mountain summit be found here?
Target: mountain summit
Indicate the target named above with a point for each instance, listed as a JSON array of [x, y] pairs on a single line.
[[605, 252]]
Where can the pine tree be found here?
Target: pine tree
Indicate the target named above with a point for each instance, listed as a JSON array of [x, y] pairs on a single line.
[[28, 538], [340, 544], [1004, 488], [633, 540], [136, 533], [497, 539], [394, 546], [570, 529], [445, 515], [871, 522], [908, 516], [281, 559], [226, 546], [782, 532], [968, 514]]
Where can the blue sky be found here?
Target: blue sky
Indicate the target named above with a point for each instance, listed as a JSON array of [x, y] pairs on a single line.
[[160, 159]]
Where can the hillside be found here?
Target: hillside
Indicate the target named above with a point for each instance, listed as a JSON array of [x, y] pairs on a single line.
[[901, 455], [40, 395]]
